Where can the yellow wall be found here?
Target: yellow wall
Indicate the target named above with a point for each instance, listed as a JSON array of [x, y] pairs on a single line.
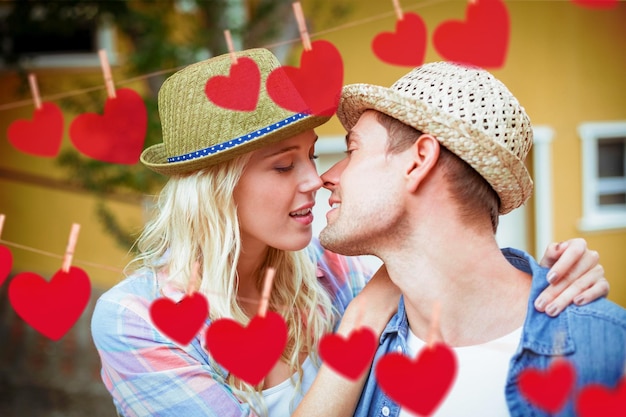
[[40, 215]]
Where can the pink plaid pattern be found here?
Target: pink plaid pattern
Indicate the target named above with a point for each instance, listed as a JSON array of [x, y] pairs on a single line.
[[149, 375]]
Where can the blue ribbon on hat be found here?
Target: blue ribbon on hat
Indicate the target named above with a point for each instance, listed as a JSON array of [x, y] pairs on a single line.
[[237, 141]]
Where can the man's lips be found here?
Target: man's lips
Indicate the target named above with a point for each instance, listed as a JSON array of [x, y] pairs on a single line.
[[334, 202], [334, 206]]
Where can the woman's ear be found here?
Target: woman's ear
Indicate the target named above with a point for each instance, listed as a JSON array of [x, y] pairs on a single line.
[[424, 154]]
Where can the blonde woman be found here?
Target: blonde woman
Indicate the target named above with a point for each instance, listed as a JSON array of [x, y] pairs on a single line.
[[239, 200]]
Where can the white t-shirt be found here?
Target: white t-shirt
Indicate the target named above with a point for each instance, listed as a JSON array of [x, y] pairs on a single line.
[[280, 398], [478, 389]]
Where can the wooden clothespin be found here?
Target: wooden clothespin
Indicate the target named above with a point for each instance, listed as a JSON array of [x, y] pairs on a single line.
[[398, 9], [267, 289], [1, 224], [434, 334], [231, 48], [34, 89], [106, 72], [304, 33], [71, 246]]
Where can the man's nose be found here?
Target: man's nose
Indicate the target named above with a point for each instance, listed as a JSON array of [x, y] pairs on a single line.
[[330, 178]]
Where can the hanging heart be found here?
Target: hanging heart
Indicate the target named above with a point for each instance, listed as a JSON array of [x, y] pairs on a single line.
[[318, 81], [118, 135], [180, 321], [596, 400], [51, 308], [406, 46], [481, 40], [6, 263], [349, 356], [548, 389], [419, 385], [40, 137], [596, 4], [239, 90], [249, 352]]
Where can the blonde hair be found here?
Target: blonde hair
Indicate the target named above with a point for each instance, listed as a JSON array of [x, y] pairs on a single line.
[[196, 220]]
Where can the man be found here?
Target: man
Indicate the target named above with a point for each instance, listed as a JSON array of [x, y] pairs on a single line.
[[432, 162]]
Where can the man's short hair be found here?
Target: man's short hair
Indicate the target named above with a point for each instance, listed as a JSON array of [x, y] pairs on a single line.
[[471, 192]]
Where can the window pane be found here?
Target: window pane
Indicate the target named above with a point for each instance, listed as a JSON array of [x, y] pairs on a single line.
[[611, 157], [611, 199]]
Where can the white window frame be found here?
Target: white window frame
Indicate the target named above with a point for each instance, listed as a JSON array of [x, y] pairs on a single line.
[[596, 217], [543, 188]]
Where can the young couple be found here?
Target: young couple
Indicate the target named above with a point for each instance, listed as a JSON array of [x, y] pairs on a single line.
[[430, 165]]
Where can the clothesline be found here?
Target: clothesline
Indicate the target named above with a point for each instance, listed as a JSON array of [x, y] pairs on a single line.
[[81, 262], [71, 93], [59, 256]]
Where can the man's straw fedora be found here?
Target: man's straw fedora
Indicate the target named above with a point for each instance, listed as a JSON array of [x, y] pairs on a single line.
[[469, 111], [197, 133]]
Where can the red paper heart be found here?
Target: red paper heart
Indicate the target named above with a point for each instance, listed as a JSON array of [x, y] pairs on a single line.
[[52, 307], [596, 400], [596, 4], [548, 389], [40, 137], [239, 90], [481, 40], [118, 135], [318, 81], [180, 321], [418, 385], [406, 46], [6, 262], [352, 356], [249, 352]]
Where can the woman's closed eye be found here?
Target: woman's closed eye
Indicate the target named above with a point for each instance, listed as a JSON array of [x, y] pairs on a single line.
[[282, 169]]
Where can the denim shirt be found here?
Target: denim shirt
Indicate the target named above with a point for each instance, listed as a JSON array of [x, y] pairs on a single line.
[[591, 337]]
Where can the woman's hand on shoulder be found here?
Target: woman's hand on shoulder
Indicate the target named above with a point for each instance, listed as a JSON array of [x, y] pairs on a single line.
[[575, 276]]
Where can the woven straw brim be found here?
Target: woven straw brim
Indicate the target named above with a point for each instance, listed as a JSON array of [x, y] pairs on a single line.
[[199, 132], [156, 158], [506, 173]]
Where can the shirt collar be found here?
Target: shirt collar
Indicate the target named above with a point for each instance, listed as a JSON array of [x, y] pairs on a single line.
[[399, 324], [541, 334]]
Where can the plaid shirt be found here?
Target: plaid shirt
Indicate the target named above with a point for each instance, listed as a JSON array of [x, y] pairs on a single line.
[[149, 375]]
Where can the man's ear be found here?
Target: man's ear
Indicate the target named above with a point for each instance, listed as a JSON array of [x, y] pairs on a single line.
[[424, 154]]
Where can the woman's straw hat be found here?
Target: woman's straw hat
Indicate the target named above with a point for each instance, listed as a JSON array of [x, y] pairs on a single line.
[[198, 133], [469, 111]]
